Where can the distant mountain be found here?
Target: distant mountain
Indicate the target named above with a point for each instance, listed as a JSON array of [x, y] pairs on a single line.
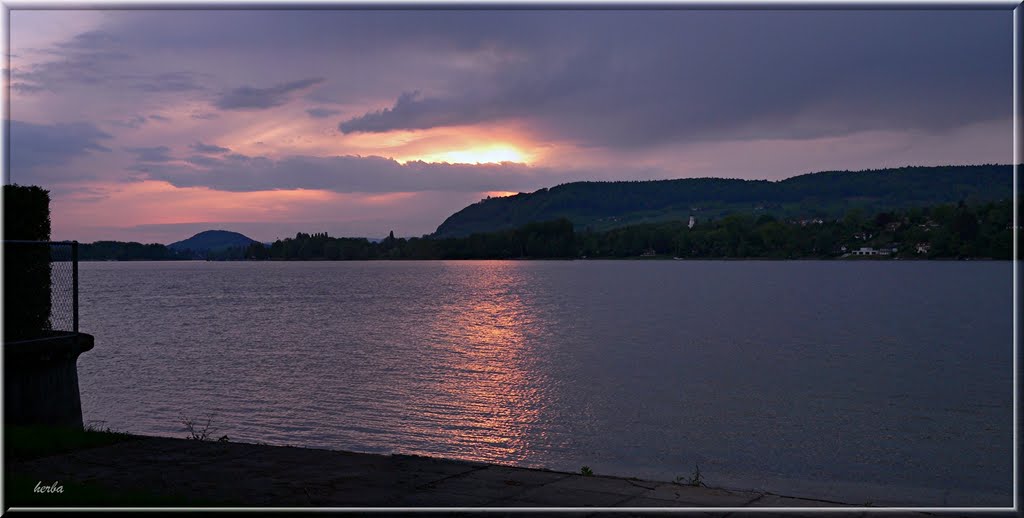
[[600, 206], [212, 241]]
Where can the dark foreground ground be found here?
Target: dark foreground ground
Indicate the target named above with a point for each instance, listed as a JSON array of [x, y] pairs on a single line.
[[97, 469]]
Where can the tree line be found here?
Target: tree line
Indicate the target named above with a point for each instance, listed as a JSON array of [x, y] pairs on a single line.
[[942, 231]]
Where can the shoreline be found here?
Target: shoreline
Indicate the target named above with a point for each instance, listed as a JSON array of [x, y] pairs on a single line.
[[259, 475], [568, 259]]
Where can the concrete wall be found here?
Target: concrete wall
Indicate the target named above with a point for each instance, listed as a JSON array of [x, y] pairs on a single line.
[[41, 380]]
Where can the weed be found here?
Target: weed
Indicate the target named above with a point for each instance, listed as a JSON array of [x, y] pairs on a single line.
[[586, 471], [694, 480], [97, 426], [192, 426]]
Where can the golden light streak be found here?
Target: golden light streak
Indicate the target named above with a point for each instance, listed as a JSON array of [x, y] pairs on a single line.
[[500, 194], [494, 154], [486, 374], [456, 145]]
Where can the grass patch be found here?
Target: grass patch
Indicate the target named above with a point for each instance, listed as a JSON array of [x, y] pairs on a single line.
[[20, 491], [32, 442], [23, 443]]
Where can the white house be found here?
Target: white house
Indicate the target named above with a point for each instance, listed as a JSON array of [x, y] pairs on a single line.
[[867, 250]]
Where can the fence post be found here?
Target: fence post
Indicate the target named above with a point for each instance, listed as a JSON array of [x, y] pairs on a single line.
[[74, 282]]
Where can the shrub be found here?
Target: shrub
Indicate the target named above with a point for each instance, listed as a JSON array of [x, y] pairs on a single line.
[[26, 267]]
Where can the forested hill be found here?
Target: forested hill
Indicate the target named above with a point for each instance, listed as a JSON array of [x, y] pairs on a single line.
[[601, 206]]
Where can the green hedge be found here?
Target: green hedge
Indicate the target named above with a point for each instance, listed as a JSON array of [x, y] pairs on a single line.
[[26, 267]]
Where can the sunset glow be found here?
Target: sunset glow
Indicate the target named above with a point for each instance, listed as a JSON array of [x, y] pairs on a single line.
[[500, 194], [482, 155], [545, 256], [152, 124], [143, 201]]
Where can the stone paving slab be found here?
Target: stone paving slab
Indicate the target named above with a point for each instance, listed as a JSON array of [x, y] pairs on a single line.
[[641, 513], [613, 485], [494, 483], [261, 475], [548, 496], [690, 496], [442, 499], [785, 501], [819, 514]]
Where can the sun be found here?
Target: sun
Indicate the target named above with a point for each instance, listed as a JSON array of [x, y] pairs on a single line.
[[494, 154], [489, 155]]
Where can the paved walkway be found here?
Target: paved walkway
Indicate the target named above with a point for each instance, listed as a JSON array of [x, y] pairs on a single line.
[[258, 475]]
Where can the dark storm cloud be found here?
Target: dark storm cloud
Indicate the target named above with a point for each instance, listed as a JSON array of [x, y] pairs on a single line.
[[98, 58], [151, 154], [598, 78], [344, 32], [249, 98], [411, 111], [724, 75], [321, 113], [350, 174], [37, 145], [74, 68], [208, 148]]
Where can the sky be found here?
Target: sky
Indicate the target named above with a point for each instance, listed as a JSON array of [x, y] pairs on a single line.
[[153, 125]]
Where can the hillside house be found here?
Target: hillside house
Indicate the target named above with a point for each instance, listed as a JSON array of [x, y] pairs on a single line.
[[867, 250], [809, 221]]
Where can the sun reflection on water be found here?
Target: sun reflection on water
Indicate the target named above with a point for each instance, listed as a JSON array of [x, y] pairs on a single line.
[[486, 380]]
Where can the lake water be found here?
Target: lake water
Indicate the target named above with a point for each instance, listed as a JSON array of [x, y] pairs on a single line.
[[854, 381]]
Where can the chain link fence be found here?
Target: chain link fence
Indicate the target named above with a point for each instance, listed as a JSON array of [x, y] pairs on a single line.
[[40, 289]]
